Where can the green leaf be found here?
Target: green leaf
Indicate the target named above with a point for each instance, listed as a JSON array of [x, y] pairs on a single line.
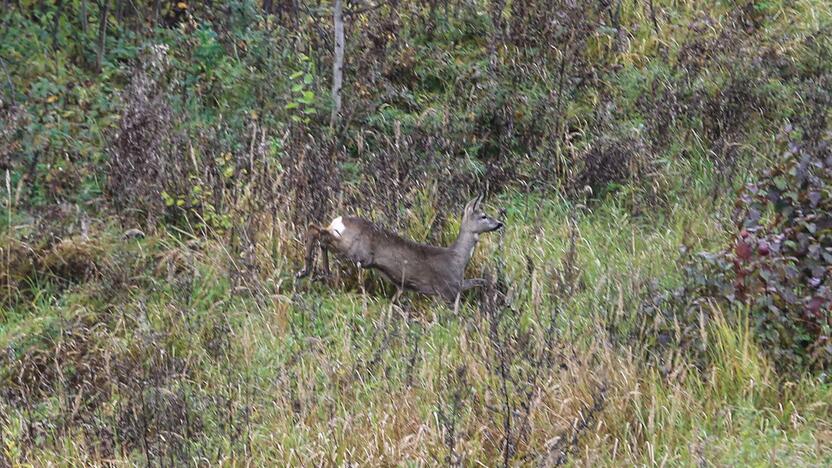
[[167, 199], [295, 75], [307, 78], [308, 97], [780, 183], [292, 105], [297, 88]]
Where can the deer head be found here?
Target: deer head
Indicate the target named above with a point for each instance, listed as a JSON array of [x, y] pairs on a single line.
[[474, 219]]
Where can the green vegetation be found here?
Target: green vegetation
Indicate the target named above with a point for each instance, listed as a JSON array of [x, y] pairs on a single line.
[[660, 295]]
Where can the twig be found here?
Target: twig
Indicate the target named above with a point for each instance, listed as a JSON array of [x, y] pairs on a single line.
[[653, 16], [578, 428], [366, 9], [9, 81]]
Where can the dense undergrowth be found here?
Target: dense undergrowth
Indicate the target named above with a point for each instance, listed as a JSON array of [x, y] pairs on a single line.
[[660, 295]]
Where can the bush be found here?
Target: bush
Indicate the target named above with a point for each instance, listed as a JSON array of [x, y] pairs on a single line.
[[779, 265], [782, 258], [140, 152]]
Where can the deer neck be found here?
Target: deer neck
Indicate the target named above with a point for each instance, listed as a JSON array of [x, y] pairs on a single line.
[[464, 246]]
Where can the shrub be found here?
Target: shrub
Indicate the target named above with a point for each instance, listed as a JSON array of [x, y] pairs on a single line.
[[141, 146], [779, 265], [782, 258]]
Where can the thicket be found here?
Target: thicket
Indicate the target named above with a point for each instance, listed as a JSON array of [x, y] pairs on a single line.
[[204, 102]]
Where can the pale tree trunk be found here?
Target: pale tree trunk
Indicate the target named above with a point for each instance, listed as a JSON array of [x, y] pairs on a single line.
[[157, 11], [295, 11], [337, 62]]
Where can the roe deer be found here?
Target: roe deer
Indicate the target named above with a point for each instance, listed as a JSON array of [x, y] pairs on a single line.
[[408, 265]]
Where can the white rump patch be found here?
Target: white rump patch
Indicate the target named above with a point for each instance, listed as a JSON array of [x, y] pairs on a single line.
[[336, 227]]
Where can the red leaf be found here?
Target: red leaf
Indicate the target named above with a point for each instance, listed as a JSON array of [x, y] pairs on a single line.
[[743, 250], [814, 306]]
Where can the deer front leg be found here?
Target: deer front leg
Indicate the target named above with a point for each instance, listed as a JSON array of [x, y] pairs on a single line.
[[472, 283], [397, 295], [325, 257], [312, 237]]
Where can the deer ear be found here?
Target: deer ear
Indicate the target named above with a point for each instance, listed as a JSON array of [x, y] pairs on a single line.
[[471, 205], [478, 201]]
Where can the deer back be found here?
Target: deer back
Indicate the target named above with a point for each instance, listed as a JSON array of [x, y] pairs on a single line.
[[426, 268]]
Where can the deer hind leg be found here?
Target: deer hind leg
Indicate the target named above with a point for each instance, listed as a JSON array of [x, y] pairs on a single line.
[[313, 236]]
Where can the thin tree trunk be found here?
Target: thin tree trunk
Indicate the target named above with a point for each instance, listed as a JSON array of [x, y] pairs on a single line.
[[84, 17], [295, 12], [104, 10], [8, 80], [430, 21], [157, 10], [56, 23], [338, 62]]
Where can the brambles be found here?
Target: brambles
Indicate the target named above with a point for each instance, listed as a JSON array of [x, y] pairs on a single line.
[[610, 164]]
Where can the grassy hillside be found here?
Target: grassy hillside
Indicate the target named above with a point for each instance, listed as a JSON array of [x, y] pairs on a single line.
[[660, 294]]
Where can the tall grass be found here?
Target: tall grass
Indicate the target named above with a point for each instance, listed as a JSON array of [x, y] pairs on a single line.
[[269, 371]]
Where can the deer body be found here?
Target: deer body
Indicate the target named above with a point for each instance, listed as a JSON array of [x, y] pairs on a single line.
[[424, 268]]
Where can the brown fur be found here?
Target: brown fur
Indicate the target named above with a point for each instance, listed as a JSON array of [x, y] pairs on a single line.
[[408, 265]]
